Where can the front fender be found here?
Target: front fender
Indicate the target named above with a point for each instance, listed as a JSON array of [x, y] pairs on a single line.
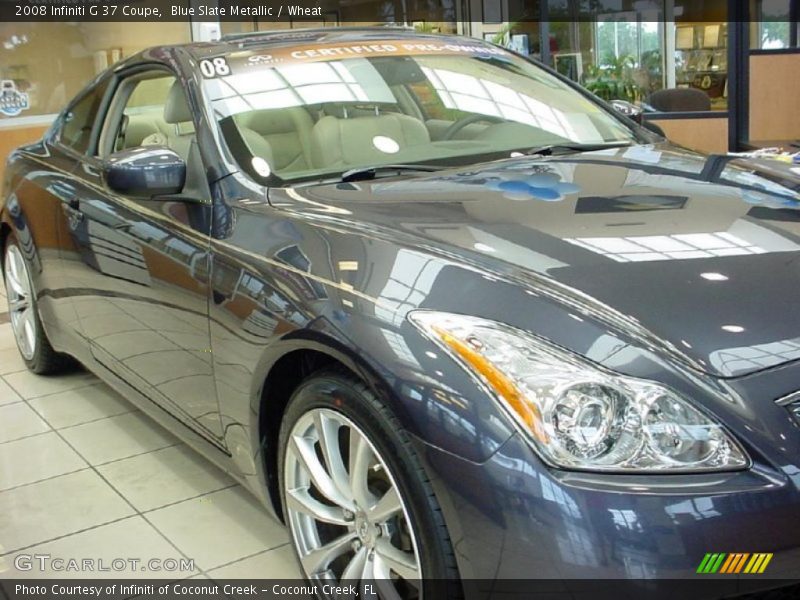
[[458, 417]]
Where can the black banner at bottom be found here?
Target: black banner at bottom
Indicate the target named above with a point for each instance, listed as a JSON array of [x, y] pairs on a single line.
[[745, 588]]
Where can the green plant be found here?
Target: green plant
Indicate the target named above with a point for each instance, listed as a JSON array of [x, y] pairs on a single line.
[[651, 70], [615, 79], [501, 37], [426, 27]]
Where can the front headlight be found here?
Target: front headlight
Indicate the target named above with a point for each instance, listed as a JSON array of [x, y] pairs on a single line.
[[577, 415]]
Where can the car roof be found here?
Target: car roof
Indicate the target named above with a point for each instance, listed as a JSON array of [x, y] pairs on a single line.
[[288, 37]]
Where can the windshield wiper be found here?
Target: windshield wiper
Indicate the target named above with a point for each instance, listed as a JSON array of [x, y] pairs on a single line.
[[364, 173], [552, 149]]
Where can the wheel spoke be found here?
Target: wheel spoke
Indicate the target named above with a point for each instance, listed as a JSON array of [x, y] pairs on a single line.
[[387, 506], [383, 581], [305, 453], [360, 457], [368, 576], [355, 567], [328, 433], [28, 327], [357, 497], [402, 563], [13, 276], [21, 303], [13, 287], [21, 273], [12, 266], [18, 304], [301, 501], [318, 559]]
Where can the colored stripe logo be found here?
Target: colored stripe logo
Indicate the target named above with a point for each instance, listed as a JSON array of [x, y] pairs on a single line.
[[733, 563]]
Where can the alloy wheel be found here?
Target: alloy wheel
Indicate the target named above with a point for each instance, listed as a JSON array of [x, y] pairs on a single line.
[[21, 306], [345, 511]]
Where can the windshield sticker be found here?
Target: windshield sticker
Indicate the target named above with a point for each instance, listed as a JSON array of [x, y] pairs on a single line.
[[214, 67], [12, 101], [385, 144], [325, 52]]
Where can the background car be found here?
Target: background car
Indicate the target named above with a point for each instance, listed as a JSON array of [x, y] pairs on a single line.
[[446, 314]]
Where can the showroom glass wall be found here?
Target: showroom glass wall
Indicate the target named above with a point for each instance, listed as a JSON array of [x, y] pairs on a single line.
[[727, 51], [699, 67], [771, 69], [629, 49]]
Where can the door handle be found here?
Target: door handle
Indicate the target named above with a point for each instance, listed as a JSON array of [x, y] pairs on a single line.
[[71, 208]]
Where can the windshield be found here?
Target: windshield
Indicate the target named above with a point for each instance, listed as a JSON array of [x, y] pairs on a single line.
[[306, 112]]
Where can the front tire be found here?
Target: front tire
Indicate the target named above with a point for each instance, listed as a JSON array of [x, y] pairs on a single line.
[[23, 311], [355, 497]]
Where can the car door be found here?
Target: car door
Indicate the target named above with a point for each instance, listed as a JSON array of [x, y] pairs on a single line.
[[143, 263], [39, 208]]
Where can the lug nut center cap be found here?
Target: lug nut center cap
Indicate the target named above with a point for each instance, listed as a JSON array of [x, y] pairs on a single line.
[[364, 530]]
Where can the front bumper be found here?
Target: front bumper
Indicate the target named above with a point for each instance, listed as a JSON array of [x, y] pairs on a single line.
[[513, 518]]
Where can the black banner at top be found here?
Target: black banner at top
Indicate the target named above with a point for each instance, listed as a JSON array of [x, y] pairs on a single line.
[[408, 12]]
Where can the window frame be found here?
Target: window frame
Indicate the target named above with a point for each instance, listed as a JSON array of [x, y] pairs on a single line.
[[55, 135]]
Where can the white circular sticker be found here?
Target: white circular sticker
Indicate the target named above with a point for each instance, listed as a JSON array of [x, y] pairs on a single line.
[[261, 166], [385, 144]]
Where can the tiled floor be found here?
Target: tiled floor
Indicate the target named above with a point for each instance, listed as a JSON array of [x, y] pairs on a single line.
[[83, 474]]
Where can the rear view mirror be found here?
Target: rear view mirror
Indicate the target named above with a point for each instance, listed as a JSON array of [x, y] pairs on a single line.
[[629, 110], [145, 172], [637, 114]]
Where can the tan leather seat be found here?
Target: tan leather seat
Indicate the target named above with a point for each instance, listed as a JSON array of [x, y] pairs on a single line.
[[142, 125], [181, 132], [258, 146], [351, 141], [178, 116], [288, 133]]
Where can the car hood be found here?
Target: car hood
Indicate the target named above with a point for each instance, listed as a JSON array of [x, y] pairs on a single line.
[[701, 252]]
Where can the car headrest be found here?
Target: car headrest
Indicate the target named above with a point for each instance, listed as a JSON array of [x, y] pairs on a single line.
[[353, 110], [277, 121], [680, 99], [335, 109], [398, 70], [257, 145], [176, 109], [353, 141]]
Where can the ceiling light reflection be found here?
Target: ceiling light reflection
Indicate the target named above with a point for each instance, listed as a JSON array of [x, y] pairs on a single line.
[[714, 276]]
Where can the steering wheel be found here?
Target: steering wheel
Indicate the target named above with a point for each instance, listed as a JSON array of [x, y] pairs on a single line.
[[468, 120]]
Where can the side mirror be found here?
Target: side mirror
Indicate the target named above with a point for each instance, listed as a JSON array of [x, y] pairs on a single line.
[[145, 172], [629, 110]]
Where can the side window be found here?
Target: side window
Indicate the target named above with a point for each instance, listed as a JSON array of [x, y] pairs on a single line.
[[137, 118], [76, 132]]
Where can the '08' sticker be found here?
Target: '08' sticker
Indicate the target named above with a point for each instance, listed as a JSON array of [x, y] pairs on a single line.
[[214, 67]]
